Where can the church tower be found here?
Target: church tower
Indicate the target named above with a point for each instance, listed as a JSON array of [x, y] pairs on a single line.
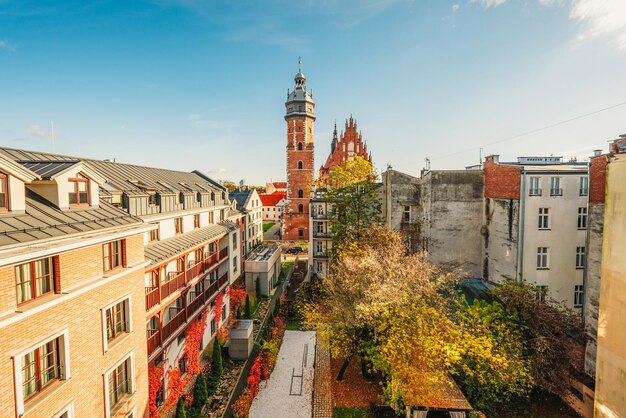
[[300, 118]]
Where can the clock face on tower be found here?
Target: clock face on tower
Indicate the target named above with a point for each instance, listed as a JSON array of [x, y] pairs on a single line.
[[300, 119]]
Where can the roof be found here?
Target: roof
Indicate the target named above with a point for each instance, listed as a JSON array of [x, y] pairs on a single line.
[[451, 398], [272, 199], [42, 220], [280, 184], [241, 197], [476, 289], [172, 247], [128, 178]]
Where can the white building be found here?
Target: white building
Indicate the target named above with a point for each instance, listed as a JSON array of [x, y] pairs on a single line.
[[273, 206], [320, 235], [248, 202]]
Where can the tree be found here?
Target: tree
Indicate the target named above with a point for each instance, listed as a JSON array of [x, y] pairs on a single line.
[[200, 394], [406, 319], [354, 199], [258, 287], [247, 309], [180, 408], [216, 360]]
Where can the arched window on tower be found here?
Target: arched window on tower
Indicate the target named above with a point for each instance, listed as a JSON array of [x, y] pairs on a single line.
[[300, 194], [300, 165], [300, 208], [299, 146]]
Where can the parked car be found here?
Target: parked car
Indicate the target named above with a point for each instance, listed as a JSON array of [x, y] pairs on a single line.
[[294, 250]]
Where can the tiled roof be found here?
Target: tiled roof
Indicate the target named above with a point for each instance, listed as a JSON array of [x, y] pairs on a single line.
[[269, 200], [42, 220], [241, 197]]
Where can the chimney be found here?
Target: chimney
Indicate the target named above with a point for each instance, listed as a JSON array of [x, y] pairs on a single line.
[[597, 152]]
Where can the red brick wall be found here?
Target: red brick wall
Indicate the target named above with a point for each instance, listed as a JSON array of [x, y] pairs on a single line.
[[501, 181], [298, 179], [597, 179]]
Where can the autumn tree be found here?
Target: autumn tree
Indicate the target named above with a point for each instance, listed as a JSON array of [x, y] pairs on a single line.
[[354, 199], [407, 320]]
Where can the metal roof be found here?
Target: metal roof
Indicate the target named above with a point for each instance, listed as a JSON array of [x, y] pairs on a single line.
[[172, 247], [47, 169], [241, 197], [42, 220]]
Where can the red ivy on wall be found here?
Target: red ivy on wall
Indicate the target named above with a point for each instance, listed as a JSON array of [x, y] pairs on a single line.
[[175, 387], [237, 296], [193, 336], [155, 383], [217, 309]]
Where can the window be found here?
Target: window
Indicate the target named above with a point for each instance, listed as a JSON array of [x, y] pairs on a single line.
[[555, 186], [542, 258], [300, 232], [117, 319], [213, 196], [235, 264], [38, 367], [300, 194], [182, 365], [580, 257], [300, 165], [318, 247], [178, 225], [534, 187], [152, 199], [300, 208], [4, 193], [154, 234], [582, 218], [34, 279], [119, 383], [196, 220], [584, 186], [79, 196], [406, 214], [578, 296], [542, 291], [198, 197], [112, 255], [319, 266], [299, 146], [213, 326], [543, 218], [181, 198]]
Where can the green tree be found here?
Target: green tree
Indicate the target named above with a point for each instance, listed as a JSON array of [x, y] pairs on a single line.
[[180, 408], [247, 309], [217, 365], [258, 287], [200, 394]]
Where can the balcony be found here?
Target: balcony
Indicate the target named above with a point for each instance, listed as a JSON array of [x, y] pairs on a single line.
[[321, 254], [175, 282], [322, 234], [210, 260], [195, 270], [556, 192], [223, 253], [195, 304], [321, 216], [534, 192], [152, 297], [173, 324], [154, 340]]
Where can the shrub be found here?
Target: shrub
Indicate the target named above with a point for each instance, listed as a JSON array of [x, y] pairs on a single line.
[[180, 408], [258, 287], [247, 310], [200, 394], [216, 364]]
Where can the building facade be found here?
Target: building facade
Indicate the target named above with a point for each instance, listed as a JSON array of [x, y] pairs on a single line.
[[263, 265], [273, 206], [535, 224], [300, 118], [72, 320], [249, 204], [344, 147], [189, 250], [440, 213], [321, 238]]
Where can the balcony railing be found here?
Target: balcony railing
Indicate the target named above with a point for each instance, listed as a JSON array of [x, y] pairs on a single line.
[[173, 324], [321, 254], [556, 192], [195, 270], [535, 192], [223, 253], [210, 260], [583, 192], [154, 340], [175, 282], [322, 234], [152, 297], [322, 216], [195, 304]]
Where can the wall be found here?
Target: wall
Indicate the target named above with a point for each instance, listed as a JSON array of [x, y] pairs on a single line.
[[611, 362]]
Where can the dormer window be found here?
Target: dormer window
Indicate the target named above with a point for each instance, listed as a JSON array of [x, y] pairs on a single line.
[[4, 193], [79, 191]]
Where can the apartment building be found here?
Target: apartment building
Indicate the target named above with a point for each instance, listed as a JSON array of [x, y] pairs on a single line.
[[190, 247], [535, 218], [247, 201], [321, 238], [72, 315], [273, 206], [440, 213]]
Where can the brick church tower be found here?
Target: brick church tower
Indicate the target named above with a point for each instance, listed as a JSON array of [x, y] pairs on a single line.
[[300, 118]]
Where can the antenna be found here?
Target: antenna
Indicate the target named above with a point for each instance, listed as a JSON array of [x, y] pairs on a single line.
[[427, 160], [52, 126], [299, 65], [480, 156]]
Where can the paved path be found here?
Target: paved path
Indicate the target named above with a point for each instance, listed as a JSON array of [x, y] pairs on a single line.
[[322, 392], [273, 233], [274, 399]]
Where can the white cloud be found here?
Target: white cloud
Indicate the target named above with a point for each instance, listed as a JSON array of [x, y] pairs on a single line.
[[455, 8], [489, 3], [603, 19], [6, 45], [36, 130]]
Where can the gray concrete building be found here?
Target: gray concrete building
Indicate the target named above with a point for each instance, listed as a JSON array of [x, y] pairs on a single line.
[[263, 264]]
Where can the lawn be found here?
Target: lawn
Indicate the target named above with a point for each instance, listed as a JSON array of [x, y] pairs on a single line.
[[267, 225], [348, 412]]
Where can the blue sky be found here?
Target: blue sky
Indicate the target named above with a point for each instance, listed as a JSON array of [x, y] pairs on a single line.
[[189, 84]]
